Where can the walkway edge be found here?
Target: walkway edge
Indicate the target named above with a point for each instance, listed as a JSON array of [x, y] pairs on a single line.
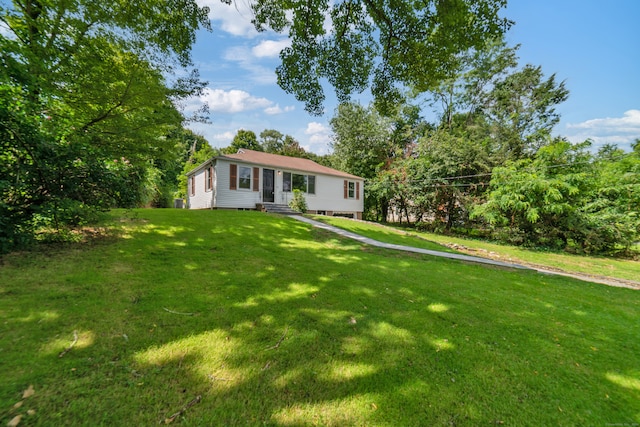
[[372, 242]]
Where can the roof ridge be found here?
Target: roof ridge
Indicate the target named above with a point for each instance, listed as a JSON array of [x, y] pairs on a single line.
[[284, 162]]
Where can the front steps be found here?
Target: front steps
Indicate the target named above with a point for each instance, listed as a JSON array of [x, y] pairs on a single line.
[[277, 209]]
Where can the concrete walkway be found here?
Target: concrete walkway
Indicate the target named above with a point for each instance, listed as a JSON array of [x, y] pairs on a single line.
[[373, 242]]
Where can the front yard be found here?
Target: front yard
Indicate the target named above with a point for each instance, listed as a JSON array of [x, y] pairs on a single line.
[[243, 318]]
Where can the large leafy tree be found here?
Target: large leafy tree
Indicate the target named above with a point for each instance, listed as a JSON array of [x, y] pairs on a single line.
[[244, 139], [445, 178], [197, 151], [362, 146], [88, 103], [490, 112], [275, 142], [367, 144], [492, 99], [272, 141], [520, 111], [389, 44], [361, 139], [291, 147]]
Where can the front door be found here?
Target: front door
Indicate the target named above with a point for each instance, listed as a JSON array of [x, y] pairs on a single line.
[[267, 186]]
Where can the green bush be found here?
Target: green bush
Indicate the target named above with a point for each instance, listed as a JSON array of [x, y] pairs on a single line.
[[298, 203]]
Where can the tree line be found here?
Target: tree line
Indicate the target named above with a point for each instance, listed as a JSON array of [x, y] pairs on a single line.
[[90, 117], [490, 166], [90, 91]]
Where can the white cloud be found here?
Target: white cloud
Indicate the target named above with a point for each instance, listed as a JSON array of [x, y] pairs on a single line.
[[270, 48], [222, 139], [277, 110], [234, 18], [316, 128], [233, 101], [629, 122], [621, 131], [238, 54], [217, 135], [319, 137]]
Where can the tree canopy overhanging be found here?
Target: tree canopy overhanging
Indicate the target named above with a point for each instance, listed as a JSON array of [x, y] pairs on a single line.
[[388, 45]]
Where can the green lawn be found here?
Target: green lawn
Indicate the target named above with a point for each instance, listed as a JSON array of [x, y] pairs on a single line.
[[601, 266], [269, 321]]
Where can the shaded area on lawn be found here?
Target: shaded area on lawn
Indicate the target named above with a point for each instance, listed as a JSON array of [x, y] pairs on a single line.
[[274, 322]]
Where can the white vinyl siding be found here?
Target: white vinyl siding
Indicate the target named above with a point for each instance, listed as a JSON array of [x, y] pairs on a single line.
[[328, 195], [199, 197], [238, 198], [324, 192]]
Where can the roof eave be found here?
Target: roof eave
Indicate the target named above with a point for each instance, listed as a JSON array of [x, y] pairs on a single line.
[[200, 166], [251, 162]]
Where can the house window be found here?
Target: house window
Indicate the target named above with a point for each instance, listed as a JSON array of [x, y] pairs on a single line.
[[294, 181], [311, 184], [192, 185], [208, 178], [299, 182], [286, 181], [244, 177], [351, 190]]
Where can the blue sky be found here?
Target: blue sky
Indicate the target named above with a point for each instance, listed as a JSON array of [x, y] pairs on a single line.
[[593, 47]]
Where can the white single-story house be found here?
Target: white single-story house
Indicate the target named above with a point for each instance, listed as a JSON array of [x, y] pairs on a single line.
[[252, 179]]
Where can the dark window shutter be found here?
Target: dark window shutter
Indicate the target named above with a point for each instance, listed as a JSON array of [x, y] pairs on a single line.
[[210, 177], [346, 189], [193, 185], [233, 177], [256, 179], [357, 191]]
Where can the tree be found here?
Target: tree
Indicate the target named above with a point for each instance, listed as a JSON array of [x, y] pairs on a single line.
[[244, 139], [521, 112], [291, 147], [446, 176], [277, 143], [466, 91], [564, 198], [531, 200], [368, 145], [612, 210], [197, 151], [272, 141], [512, 108], [87, 108], [362, 146], [389, 44], [361, 139]]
